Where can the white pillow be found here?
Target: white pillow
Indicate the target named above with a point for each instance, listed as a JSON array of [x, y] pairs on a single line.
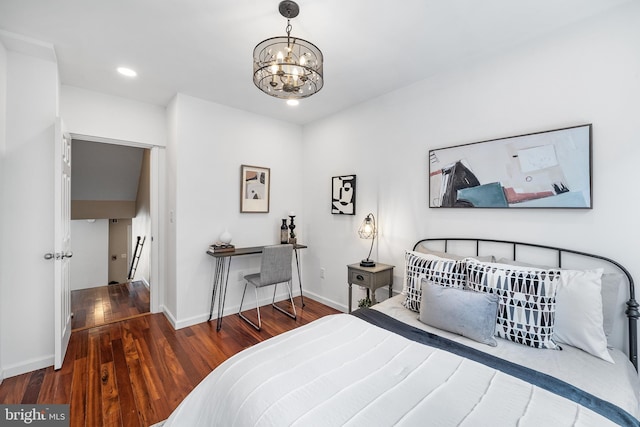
[[611, 285], [579, 318]]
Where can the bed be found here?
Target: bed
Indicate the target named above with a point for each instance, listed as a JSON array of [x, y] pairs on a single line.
[[485, 332]]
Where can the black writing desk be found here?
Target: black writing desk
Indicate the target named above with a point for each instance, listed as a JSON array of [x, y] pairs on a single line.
[[221, 276]]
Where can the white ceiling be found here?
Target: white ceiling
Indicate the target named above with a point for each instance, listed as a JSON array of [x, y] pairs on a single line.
[[203, 48]]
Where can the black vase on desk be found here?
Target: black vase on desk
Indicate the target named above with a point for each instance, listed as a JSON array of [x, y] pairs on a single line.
[[284, 238]]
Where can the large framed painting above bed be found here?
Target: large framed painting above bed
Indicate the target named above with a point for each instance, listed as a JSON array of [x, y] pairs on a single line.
[[550, 169], [486, 332]]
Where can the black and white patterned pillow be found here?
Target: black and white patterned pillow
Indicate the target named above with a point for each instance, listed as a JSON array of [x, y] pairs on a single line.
[[527, 305], [440, 271]]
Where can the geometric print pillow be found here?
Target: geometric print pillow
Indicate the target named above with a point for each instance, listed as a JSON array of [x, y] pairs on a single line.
[[440, 271], [527, 304]]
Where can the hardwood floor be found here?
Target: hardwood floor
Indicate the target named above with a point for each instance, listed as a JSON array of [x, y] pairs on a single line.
[[106, 304], [135, 372]]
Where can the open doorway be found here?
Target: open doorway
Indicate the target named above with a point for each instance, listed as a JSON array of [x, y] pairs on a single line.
[[110, 203]]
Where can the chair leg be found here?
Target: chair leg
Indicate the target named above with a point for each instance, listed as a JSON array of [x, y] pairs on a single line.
[[273, 302], [242, 316]]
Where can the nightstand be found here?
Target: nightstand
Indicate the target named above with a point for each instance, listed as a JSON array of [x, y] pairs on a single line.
[[371, 278]]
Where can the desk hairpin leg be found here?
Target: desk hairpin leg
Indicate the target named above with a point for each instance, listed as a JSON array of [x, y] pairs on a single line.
[[299, 278], [215, 284], [220, 280], [223, 292]]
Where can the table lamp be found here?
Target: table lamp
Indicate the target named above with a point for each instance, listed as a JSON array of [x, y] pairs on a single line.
[[368, 231]]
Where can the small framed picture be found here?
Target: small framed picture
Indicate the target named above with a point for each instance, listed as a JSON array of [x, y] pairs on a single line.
[[343, 195], [255, 182]]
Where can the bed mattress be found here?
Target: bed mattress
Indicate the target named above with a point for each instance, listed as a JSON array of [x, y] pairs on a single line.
[[617, 382], [342, 370]]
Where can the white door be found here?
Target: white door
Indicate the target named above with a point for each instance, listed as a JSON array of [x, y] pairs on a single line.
[[62, 245]]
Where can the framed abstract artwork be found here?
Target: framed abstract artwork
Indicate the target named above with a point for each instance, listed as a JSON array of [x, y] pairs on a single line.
[[550, 169], [343, 195], [255, 184]]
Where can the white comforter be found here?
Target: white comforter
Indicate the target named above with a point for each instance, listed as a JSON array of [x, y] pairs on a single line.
[[341, 370]]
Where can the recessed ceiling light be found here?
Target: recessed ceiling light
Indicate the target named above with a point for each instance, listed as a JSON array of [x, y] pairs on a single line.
[[292, 102], [127, 72]]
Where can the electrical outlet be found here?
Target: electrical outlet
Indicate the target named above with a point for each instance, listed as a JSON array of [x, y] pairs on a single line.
[[240, 275], [322, 273]]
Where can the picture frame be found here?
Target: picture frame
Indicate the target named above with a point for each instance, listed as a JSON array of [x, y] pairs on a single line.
[[343, 195], [255, 189], [548, 169]]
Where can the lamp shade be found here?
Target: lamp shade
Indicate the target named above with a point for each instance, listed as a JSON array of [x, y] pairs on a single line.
[[368, 230]]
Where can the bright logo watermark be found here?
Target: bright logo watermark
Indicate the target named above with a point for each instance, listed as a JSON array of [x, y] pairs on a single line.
[[34, 415]]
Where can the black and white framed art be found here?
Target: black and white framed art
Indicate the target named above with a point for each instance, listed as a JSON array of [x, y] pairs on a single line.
[[343, 195]]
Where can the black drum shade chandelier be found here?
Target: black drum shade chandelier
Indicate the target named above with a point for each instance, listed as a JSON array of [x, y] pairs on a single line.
[[287, 67]]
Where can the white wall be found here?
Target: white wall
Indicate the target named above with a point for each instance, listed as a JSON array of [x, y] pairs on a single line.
[[90, 247], [3, 99], [588, 73], [170, 296], [141, 223], [211, 142], [27, 216], [3, 131], [95, 114]]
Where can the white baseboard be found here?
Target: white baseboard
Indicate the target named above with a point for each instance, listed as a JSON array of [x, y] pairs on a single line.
[[169, 315], [183, 323], [28, 366], [201, 318], [233, 309], [194, 320], [331, 303]]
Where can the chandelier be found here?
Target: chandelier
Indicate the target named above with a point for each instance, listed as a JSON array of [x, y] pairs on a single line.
[[287, 67]]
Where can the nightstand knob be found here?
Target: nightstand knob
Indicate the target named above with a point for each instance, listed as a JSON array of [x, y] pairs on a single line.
[[360, 277]]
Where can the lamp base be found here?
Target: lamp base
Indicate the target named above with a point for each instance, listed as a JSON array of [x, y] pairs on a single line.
[[367, 263]]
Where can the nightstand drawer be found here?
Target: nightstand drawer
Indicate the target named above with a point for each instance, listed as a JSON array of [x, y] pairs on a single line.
[[360, 278]]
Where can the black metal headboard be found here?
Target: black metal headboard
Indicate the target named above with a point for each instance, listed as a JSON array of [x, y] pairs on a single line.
[[631, 312]]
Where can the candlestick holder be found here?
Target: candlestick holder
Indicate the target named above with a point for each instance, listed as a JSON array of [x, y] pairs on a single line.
[[292, 234]]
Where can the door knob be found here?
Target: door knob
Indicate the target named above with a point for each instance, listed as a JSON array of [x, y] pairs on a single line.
[[58, 255]]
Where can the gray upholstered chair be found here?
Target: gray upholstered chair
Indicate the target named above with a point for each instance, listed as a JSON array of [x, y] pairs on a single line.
[[275, 268]]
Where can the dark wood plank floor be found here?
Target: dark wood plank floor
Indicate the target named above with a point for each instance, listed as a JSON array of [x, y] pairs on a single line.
[[135, 372], [106, 304]]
